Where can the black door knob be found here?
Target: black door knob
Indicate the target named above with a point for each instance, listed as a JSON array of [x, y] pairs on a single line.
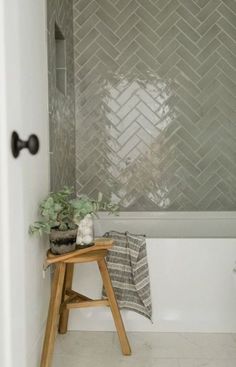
[[17, 144]]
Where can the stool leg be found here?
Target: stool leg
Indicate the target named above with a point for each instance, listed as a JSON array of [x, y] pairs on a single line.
[[63, 323], [114, 308], [53, 312]]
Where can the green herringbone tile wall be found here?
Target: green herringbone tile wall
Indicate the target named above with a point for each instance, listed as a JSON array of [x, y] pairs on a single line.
[[155, 84], [61, 107]]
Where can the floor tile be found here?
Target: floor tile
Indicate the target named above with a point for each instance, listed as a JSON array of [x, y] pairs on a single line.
[[102, 349], [207, 363]]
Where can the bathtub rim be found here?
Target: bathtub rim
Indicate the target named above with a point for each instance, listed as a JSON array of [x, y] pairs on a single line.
[[170, 224]]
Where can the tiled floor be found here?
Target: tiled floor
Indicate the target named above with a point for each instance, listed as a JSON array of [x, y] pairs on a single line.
[[101, 349]]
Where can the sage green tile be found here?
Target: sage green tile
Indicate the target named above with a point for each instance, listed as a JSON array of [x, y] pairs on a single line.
[[208, 198], [208, 23], [187, 43], [230, 150], [87, 53], [125, 27], [167, 24], [210, 183], [208, 64], [210, 100], [90, 37], [107, 19], [187, 110], [121, 4], [207, 119], [188, 30], [191, 87], [228, 83], [81, 5], [208, 37], [227, 55], [188, 151], [209, 170], [141, 68], [227, 163], [224, 200], [227, 41], [89, 11], [202, 3], [149, 6], [107, 59], [188, 178], [173, 73], [169, 63], [227, 27], [166, 38], [126, 12], [169, 8], [208, 50], [227, 97], [107, 47], [81, 32], [107, 33], [208, 9], [227, 13], [147, 45], [108, 7], [127, 39], [146, 58], [229, 111], [188, 16], [188, 71], [187, 164], [147, 18], [191, 101], [90, 64], [212, 74], [231, 4], [167, 51], [210, 89], [130, 50], [211, 129], [184, 134], [160, 3], [190, 5], [188, 124], [145, 30], [188, 57]]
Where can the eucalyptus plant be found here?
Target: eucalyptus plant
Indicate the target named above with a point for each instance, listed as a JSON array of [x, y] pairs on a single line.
[[83, 205], [61, 212]]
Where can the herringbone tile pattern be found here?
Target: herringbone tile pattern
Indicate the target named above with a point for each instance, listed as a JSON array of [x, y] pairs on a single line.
[[61, 107], [155, 84]]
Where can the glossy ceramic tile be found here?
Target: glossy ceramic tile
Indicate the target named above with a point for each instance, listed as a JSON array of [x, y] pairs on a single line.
[[155, 103], [149, 350], [61, 105]]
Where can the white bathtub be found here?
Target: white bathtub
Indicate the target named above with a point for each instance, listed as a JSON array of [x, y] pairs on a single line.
[[192, 282]]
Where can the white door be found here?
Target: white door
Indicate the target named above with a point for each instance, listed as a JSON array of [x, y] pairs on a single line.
[[24, 181]]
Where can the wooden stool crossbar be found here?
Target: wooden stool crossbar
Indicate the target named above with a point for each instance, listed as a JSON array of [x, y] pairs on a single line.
[[64, 298]]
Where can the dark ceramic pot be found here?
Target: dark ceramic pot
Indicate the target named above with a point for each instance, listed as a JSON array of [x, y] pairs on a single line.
[[62, 242]]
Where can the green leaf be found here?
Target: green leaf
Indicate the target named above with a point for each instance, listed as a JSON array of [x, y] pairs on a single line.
[[63, 227]]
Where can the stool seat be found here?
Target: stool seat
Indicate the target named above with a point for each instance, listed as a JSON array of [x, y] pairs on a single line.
[[63, 297]]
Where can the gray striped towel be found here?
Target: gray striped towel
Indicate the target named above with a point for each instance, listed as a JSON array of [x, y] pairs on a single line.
[[128, 268]]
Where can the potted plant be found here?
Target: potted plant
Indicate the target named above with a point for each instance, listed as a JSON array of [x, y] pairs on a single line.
[[69, 221]]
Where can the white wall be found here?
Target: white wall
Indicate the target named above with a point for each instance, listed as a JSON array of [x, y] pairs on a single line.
[[24, 181], [193, 289]]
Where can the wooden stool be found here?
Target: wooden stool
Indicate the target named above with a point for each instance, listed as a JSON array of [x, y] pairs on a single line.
[[63, 298]]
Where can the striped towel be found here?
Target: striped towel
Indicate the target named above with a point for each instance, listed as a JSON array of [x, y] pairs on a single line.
[[128, 268]]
